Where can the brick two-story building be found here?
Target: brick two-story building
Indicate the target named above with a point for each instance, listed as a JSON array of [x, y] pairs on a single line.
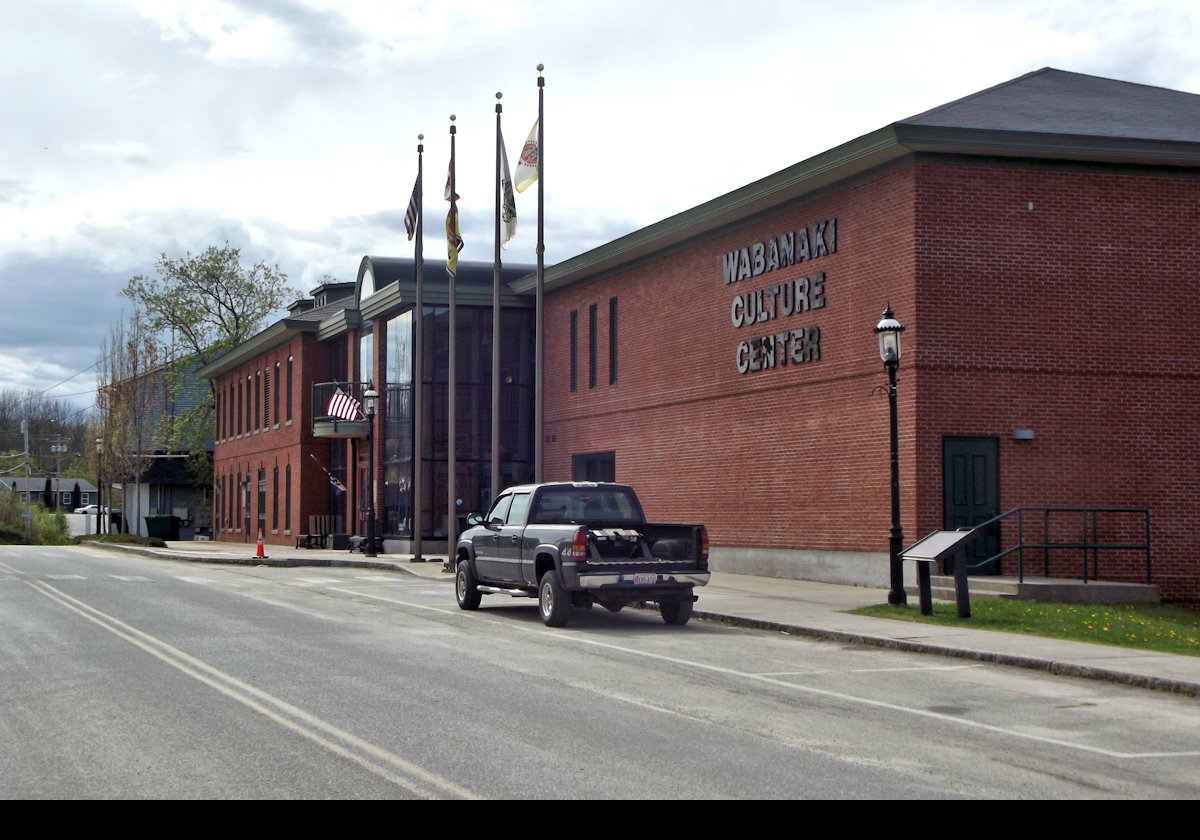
[[1039, 242]]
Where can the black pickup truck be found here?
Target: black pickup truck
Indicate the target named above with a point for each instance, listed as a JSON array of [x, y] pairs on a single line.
[[575, 544]]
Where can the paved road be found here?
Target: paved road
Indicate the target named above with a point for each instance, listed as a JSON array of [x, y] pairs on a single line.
[[810, 609]]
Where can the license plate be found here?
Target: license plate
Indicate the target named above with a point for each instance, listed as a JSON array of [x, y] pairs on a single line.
[[645, 578]]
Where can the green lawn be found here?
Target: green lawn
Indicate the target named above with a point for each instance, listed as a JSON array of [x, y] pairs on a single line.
[[1143, 626]]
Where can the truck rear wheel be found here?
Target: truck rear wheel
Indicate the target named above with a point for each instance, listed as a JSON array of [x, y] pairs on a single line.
[[465, 587], [676, 611], [553, 602]]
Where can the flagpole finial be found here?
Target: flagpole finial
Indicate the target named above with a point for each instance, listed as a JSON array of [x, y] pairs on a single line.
[[541, 67], [499, 94], [451, 118], [420, 136]]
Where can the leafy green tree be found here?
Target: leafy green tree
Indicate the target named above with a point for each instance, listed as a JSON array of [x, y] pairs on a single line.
[[209, 303], [202, 306]]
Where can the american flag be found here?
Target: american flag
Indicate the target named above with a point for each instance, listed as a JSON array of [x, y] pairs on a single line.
[[410, 216], [344, 406]]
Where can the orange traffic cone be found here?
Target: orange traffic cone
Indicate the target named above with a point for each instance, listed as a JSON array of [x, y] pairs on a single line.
[[259, 553]]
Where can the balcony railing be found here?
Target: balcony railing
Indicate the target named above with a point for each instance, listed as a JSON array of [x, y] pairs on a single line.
[[337, 409]]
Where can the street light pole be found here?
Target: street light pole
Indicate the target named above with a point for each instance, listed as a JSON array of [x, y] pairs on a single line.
[[99, 492], [888, 330], [370, 402]]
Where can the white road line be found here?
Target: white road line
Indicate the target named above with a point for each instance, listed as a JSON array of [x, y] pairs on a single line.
[[777, 683], [386, 765]]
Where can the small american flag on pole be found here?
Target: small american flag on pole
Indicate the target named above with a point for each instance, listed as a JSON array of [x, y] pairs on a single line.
[[414, 209], [344, 406]]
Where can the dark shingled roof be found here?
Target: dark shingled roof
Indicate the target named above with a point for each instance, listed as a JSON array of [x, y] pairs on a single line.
[[1058, 102], [1050, 115]]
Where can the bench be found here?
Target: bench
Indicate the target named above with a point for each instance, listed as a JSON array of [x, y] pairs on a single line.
[[319, 528], [358, 542]]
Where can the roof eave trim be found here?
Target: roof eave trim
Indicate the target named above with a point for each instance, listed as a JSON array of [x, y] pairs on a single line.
[[273, 336]]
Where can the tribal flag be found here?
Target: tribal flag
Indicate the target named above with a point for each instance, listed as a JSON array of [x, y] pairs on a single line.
[[344, 406], [338, 487], [414, 209], [454, 240], [508, 202], [527, 164]]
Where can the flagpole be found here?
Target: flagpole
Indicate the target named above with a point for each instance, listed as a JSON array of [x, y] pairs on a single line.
[[452, 379], [418, 484], [495, 488], [539, 364]]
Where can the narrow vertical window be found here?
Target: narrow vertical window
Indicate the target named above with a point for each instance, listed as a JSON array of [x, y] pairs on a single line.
[[612, 341], [287, 499], [574, 351], [289, 390], [277, 393], [262, 499], [275, 500], [592, 346], [240, 405], [254, 424], [267, 398], [249, 405]]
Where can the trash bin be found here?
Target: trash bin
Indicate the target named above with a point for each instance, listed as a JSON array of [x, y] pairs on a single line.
[[164, 526]]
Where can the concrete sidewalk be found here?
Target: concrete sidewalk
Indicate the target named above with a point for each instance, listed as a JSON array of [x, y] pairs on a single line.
[[797, 607]]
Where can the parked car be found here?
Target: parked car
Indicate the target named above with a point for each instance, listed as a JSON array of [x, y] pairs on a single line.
[[90, 509]]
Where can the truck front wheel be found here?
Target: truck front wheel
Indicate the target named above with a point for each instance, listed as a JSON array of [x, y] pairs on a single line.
[[553, 602], [676, 611], [465, 587]]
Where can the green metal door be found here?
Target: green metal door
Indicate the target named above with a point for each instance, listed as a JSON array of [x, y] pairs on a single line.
[[971, 488]]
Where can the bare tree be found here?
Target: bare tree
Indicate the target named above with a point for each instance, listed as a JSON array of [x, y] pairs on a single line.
[[129, 398]]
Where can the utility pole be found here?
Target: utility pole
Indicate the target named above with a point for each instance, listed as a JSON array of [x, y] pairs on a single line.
[[58, 448], [28, 513]]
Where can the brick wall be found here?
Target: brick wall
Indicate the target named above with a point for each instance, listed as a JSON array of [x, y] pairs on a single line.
[[276, 443], [1074, 318]]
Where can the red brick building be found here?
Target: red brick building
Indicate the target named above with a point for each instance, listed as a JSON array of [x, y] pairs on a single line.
[[1038, 240], [267, 465]]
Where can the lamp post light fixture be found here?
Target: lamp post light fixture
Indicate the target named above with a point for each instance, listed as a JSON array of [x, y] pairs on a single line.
[[99, 490], [370, 403], [888, 330]]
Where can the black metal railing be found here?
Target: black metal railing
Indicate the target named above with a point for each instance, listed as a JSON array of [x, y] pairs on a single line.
[[324, 392], [1094, 530]]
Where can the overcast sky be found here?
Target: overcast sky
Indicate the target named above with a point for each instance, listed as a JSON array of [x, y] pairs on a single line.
[[288, 128]]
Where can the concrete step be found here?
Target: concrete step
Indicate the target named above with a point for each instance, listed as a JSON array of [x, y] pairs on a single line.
[[1043, 589]]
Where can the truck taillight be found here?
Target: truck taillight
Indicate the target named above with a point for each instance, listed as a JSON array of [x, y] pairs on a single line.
[[579, 546], [703, 543]]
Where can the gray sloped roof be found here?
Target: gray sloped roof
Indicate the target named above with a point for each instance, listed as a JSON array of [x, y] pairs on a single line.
[[1057, 102], [1047, 114]]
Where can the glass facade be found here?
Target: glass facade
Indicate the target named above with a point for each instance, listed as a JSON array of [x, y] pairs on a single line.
[[473, 415]]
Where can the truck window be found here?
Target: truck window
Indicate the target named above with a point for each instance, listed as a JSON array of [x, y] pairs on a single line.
[[520, 507], [499, 509]]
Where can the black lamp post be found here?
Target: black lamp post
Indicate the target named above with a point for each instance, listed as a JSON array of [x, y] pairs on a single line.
[[889, 330], [370, 403], [99, 490]]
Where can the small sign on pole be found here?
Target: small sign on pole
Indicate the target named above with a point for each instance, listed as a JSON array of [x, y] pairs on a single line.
[[933, 549]]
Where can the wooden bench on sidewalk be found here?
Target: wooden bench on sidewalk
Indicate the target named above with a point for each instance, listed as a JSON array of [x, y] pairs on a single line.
[[319, 529]]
